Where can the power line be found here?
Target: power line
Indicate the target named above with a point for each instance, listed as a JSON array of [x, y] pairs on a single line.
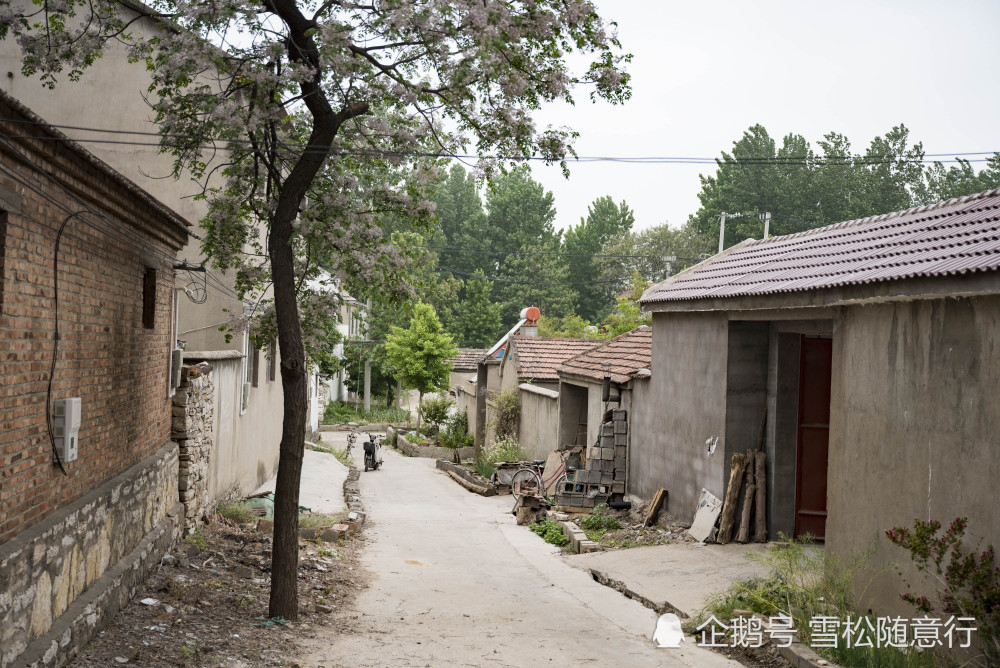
[[836, 160]]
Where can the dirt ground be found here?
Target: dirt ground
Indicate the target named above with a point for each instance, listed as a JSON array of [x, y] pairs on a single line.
[[209, 606]]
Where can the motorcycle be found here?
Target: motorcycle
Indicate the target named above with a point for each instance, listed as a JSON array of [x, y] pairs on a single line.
[[373, 453]]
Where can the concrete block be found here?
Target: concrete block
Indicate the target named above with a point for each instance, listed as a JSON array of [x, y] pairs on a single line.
[[619, 415], [356, 516], [620, 451], [595, 453], [607, 454], [619, 463], [620, 427], [333, 535], [607, 466], [587, 546], [621, 439], [608, 429], [607, 441], [607, 478], [588, 502], [581, 476], [619, 474], [618, 487]]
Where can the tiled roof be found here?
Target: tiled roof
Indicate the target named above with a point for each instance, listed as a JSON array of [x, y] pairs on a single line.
[[957, 236], [539, 357], [467, 359], [626, 354]]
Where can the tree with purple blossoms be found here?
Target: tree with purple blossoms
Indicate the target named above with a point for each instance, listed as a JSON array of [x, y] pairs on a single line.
[[315, 119]]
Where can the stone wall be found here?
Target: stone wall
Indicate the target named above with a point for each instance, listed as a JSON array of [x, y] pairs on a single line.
[[62, 579], [192, 429]]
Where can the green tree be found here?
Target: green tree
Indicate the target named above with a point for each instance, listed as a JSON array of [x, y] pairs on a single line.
[[304, 124], [654, 254], [627, 314], [959, 180], [534, 276], [604, 220], [420, 353], [477, 322], [463, 223], [569, 326]]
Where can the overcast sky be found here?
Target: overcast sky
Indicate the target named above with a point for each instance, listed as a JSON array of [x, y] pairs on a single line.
[[705, 71]]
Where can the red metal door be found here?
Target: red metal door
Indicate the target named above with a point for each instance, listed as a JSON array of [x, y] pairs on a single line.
[[813, 437]]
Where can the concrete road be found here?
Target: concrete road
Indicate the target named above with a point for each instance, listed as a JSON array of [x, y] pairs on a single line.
[[455, 582]]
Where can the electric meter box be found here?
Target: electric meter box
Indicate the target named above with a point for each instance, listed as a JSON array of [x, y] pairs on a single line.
[[66, 426]]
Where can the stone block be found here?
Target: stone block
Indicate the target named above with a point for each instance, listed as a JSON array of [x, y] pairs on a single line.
[[619, 415], [333, 535], [620, 427], [607, 454], [244, 572]]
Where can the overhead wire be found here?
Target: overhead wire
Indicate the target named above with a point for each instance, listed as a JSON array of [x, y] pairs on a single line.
[[834, 160]]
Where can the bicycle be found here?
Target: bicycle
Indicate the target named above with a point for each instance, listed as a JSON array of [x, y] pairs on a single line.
[[527, 481]]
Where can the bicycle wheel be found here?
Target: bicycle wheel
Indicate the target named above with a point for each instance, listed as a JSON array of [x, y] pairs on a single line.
[[526, 482]]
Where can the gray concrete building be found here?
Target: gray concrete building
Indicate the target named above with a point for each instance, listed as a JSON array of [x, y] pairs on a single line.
[[870, 352]]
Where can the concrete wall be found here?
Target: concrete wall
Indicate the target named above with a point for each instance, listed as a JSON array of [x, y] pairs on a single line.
[[914, 426], [539, 427], [685, 405], [246, 452], [465, 400]]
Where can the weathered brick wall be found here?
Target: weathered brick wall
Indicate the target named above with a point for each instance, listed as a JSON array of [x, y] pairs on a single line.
[[118, 367], [192, 427]]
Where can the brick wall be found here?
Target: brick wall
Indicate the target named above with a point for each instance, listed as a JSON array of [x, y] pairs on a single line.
[[105, 356]]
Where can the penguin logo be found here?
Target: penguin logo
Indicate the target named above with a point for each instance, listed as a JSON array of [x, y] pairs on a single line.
[[668, 631]]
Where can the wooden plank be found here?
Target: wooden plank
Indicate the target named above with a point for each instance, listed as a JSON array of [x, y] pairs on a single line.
[[654, 507], [743, 535], [736, 470], [760, 534]]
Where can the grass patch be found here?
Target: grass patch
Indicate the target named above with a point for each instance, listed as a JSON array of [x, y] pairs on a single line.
[[311, 520], [599, 522], [551, 532], [236, 512], [339, 412], [804, 583]]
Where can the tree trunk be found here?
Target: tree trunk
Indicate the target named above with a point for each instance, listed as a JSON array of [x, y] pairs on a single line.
[[326, 124], [419, 401]]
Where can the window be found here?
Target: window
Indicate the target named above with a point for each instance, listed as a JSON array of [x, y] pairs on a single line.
[[272, 361], [149, 299], [254, 366]]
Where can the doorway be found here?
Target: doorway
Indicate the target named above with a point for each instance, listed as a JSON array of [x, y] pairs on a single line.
[[813, 438]]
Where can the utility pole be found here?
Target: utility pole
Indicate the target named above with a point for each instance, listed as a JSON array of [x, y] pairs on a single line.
[[368, 367], [722, 230], [767, 224]]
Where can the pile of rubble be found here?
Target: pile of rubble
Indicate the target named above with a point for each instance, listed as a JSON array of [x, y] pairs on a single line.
[[603, 478]]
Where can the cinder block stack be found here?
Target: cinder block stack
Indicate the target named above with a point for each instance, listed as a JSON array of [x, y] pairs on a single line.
[[605, 472]]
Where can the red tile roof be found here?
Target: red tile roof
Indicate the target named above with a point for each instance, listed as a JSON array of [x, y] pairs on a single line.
[[539, 357], [467, 359], [626, 354], [957, 236]]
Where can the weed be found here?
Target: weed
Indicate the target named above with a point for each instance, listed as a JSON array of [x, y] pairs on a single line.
[[311, 520], [804, 583], [550, 531], [507, 416], [505, 450], [483, 468], [235, 512], [600, 521], [196, 538], [456, 432]]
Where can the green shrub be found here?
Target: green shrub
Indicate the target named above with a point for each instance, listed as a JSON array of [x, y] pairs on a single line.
[[456, 432], [507, 417], [599, 521], [504, 450], [339, 412], [484, 468], [434, 410], [550, 531]]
